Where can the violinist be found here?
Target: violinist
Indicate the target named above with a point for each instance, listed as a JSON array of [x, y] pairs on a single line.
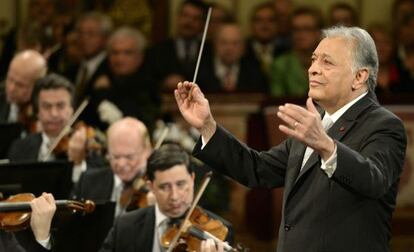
[[53, 104], [128, 149], [171, 179], [24, 70], [43, 209]]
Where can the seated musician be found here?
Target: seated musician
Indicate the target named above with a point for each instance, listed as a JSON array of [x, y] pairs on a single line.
[[25, 68], [128, 149], [43, 209], [171, 179], [53, 104]]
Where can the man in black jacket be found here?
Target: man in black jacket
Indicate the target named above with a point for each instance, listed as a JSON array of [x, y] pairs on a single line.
[[171, 180], [340, 167]]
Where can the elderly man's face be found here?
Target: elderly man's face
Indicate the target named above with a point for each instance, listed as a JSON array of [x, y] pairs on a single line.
[[174, 190], [124, 56], [330, 75], [91, 39], [19, 83], [126, 154]]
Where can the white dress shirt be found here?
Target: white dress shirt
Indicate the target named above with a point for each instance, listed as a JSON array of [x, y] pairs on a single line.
[[161, 224]]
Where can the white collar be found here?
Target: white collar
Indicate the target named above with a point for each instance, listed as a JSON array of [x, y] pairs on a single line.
[[221, 69], [117, 181], [336, 115], [159, 216], [93, 63]]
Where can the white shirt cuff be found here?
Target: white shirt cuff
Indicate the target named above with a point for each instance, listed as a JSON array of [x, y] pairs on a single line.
[[78, 170], [45, 243], [329, 166]]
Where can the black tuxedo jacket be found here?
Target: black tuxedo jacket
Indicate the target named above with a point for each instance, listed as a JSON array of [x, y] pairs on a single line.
[[96, 185], [163, 60], [350, 211], [134, 231], [26, 149], [250, 78], [4, 107], [9, 243]]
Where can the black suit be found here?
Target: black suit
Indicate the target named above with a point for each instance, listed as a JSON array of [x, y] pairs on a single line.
[[162, 60], [249, 79], [134, 232], [350, 211], [4, 107], [26, 149], [8, 243], [96, 185]]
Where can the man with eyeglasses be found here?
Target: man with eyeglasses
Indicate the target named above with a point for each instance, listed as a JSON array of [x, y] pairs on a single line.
[[128, 149], [171, 180]]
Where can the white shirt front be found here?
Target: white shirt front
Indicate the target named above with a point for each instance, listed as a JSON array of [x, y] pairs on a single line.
[[13, 113], [329, 166], [161, 223], [91, 65]]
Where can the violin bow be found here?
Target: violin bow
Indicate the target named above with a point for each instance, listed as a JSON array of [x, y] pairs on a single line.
[[66, 129], [204, 183], [208, 175], [161, 138]]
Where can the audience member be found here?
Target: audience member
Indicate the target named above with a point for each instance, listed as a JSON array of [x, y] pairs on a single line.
[[343, 14], [288, 73], [126, 87], [175, 59], [262, 46], [93, 31], [227, 70], [388, 78]]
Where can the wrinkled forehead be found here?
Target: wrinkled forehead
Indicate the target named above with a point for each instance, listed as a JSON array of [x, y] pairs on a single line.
[[335, 47]]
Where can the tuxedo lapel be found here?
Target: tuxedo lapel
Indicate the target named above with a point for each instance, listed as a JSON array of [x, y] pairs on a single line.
[[338, 131], [144, 232], [298, 150]]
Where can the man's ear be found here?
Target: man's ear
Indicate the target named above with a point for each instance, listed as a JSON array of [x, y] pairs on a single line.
[[361, 79]]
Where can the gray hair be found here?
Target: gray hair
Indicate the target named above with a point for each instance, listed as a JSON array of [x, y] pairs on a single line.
[[104, 21], [364, 51], [129, 32]]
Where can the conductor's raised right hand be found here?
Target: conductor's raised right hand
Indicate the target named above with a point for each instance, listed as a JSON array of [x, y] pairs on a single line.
[[195, 108]]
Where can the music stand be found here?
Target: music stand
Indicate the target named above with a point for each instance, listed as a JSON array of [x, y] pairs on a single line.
[[37, 177], [8, 133], [84, 233]]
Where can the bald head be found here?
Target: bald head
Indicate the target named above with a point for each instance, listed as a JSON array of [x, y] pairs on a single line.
[[128, 147], [25, 68]]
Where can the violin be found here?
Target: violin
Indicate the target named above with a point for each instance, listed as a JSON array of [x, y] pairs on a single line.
[[27, 118], [94, 141], [135, 196], [15, 211], [196, 226], [200, 227]]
